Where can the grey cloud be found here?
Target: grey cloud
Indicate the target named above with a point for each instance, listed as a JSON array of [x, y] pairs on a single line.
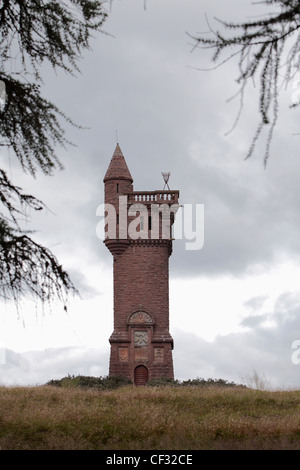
[[261, 348], [37, 367], [256, 303], [86, 291], [253, 321], [264, 349]]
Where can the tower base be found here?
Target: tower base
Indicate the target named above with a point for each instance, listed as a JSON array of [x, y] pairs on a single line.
[[141, 364]]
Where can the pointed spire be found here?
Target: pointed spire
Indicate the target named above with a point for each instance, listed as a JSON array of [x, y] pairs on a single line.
[[118, 168]]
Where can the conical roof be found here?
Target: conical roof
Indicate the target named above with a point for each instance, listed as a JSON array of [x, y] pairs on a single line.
[[117, 168]]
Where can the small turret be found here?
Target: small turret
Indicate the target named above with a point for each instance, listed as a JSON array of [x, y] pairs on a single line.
[[118, 182]]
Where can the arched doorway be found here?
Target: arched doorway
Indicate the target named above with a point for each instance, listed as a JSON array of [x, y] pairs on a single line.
[[140, 375]]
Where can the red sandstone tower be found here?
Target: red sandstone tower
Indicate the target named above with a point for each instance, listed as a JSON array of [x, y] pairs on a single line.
[[141, 345]]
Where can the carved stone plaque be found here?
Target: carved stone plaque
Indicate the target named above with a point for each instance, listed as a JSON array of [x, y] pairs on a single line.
[[141, 338], [141, 354], [123, 354], [158, 355], [141, 317]]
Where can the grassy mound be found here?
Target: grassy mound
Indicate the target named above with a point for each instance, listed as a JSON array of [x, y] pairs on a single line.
[[169, 417]]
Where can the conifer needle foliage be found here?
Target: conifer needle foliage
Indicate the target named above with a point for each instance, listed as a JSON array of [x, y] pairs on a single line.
[[34, 32], [267, 51]]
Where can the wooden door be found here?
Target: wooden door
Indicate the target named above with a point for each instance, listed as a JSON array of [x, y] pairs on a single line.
[[140, 375]]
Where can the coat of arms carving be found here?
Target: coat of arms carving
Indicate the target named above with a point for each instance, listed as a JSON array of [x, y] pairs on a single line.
[[141, 317]]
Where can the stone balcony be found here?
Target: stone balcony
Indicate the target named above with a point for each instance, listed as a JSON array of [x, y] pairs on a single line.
[[153, 197]]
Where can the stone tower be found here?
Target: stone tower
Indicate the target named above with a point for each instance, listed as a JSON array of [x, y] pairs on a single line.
[[141, 243]]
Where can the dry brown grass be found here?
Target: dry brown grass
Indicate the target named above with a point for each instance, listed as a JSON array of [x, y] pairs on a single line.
[[183, 418]]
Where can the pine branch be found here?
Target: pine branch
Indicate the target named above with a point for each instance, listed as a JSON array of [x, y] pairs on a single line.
[[27, 268], [261, 48], [39, 31]]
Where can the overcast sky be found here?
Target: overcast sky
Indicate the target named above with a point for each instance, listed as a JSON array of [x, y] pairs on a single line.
[[234, 304]]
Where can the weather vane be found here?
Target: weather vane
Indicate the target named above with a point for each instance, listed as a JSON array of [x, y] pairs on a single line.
[[166, 177]]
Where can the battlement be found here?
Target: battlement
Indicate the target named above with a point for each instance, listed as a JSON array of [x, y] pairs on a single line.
[[153, 197]]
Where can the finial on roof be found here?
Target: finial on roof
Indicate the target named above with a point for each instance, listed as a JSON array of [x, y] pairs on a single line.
[[166, 177]]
